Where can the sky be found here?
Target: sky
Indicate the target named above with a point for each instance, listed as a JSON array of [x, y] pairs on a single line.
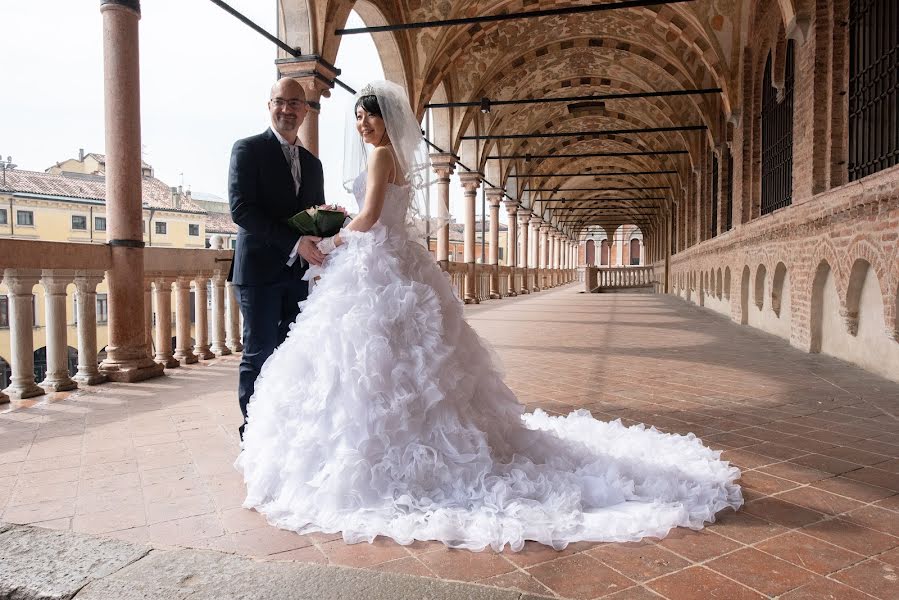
[[205, 79]]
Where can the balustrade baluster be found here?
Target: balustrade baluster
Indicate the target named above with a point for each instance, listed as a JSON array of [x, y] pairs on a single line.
[[219, 348], [88, 367], [183, 352], [233, 321], [164, 323], [20, 283], [201, 345]]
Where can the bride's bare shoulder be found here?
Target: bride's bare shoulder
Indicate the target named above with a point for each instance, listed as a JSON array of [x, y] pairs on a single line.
[[381, 162]]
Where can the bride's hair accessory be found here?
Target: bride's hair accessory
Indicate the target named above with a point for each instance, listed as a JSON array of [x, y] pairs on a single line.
[[405, 133]]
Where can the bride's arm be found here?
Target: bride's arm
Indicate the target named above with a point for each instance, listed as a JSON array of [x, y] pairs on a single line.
[[380, 168]]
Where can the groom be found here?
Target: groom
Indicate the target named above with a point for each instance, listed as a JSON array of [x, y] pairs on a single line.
[[271, 178]]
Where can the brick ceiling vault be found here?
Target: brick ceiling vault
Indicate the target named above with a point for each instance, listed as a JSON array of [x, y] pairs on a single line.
[[683, 46]]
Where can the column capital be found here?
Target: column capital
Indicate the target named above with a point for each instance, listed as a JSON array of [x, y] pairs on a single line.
[[471, 181], [311, 71], [21, 281], [524, 214], [536, 220], [495, 196], [511, 207], [443, 164], [88, 280], [129, 5], [56, 281]]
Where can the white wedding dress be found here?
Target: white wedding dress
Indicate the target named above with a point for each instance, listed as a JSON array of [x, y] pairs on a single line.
[[383, 414]]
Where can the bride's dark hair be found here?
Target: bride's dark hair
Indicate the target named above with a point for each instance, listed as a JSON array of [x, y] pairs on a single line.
[[370, 104]]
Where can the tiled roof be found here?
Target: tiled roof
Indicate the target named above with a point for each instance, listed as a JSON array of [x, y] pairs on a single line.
[[101, 158], [220, 223], [156, 194]]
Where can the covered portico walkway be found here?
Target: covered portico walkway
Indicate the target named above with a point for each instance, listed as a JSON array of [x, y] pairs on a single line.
[[150, 462]]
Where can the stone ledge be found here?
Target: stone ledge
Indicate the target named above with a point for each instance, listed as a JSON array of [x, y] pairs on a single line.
[[40, 564]]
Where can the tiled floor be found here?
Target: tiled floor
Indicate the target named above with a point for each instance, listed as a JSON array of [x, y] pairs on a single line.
[[818, 441]]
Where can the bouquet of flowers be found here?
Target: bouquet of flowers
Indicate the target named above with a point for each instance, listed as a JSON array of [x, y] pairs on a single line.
[[322, 221]]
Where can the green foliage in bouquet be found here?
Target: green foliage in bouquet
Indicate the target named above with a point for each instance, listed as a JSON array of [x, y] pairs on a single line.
[[318, 221]]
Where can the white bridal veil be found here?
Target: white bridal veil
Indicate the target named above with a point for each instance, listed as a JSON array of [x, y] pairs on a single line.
[[409, 145]]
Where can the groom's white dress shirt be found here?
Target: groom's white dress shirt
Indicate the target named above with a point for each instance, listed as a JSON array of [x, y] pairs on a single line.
[[292, 156]]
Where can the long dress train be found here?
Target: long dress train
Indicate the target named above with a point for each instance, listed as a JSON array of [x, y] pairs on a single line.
[[383, 414]]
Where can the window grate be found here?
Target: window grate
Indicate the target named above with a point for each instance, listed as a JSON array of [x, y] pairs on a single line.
[[777, 138], [873, 86], [729, 198], [715, 196]]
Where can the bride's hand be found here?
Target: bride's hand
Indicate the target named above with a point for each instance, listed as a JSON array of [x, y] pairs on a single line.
[[328, 245]]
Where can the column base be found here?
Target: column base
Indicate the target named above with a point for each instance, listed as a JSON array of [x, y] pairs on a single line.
[[235, 348], [4, 399], [471, 301], [536, 289], [58, 385], [495, 296], [511, 294], [89, 378], [131, 371], [167, 362], [524, 291], [220, 352], [203, 352], [186, 358], [30, 390]]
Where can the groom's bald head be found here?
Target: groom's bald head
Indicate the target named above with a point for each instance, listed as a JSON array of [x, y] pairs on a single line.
[[287, 107]]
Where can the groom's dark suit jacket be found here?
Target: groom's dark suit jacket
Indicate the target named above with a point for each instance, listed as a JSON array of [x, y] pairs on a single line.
[[261, 195]]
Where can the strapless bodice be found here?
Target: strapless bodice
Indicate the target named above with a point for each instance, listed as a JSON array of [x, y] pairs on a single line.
[[396, 202]]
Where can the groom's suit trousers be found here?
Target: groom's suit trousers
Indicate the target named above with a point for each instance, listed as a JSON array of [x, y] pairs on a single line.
[[268, 311]]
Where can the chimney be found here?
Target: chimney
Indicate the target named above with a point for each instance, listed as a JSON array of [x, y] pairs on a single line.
[[80, 154], [176, 197]]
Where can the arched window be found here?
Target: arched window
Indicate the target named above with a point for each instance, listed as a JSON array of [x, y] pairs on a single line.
[[777, 138], [873, 87], [729, 193], [604, 253], [590, 253], [635, 251]]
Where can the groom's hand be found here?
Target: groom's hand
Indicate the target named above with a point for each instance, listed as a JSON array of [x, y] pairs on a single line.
[[309, 251]]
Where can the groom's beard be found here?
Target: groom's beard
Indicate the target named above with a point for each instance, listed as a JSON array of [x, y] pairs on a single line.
[[288, 124]]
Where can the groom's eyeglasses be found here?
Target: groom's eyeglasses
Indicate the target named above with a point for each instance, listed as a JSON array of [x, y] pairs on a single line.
[[293, 104]]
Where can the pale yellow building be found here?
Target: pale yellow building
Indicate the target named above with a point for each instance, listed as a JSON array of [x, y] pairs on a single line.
[[66, 203]]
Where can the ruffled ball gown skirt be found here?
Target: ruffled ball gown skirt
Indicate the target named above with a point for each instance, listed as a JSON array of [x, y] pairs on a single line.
[[383, 414]]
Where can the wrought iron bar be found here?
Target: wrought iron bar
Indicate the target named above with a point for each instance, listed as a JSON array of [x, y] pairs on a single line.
[[589, 154], [602, 189], [777, 138], [551, 12], [597, 175], [523, 136], [568, 99], [246, 21], [873, 86], [715, 196]]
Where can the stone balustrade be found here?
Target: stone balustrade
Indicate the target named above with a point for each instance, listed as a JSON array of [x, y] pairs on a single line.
[[492, 282], [53, 266], [609, 278]]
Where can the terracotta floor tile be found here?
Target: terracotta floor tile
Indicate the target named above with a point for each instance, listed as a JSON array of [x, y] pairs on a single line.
[[462, 565], [890, 557], [850, 488], [828, 464], [639, 562], [807, 443], [825, 589], [873, 577], [110, 520], [405, 566], [775, 510], [760, 571], [699, 582], [633, 593], [793, 472], [809, 552], [856, 456], [580, 576], [698, 546], [184, 531], [874, 476], [136, 535], [159, 511], [518, 580], [309, 554], [41, 493], [39, 511], [766, 484], [235, 520], [746, 460], [820, 501], [745, 528], [363, 554], [852, 537], [264, 541], [534, 553], [878, 519]]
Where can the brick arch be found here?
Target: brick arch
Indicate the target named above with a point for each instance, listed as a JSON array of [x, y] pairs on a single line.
[[780, 276], [825, 251], [745, 291]]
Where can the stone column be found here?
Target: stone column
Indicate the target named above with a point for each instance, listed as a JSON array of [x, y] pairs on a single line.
[[219, 348], [57, 378], [512, 243], [316, 76], [126, 354], [148, 314], [470, 183], [86, 290], [233, 320], [494, 197], [524, 218], [535, 250], [20, 282], [164, 323], [201, 343], [543, 254], [443, 165], [183, 352]]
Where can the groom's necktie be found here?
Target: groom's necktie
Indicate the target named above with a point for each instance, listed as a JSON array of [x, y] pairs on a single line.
[[294, 153]]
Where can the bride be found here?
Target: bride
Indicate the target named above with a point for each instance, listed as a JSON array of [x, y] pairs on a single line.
[[383, 414]]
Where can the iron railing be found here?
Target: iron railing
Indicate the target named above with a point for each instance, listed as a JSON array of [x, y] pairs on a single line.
[[729, 191], [777, 138], [715, 196], [873, 86]]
